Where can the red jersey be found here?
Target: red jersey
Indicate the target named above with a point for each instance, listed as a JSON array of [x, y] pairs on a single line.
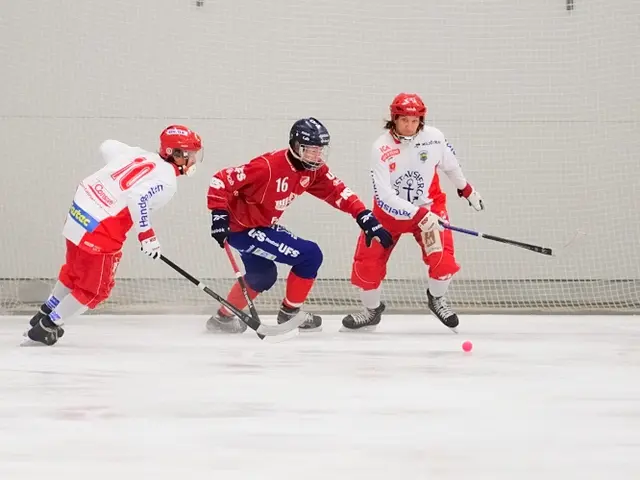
[[257, 194]]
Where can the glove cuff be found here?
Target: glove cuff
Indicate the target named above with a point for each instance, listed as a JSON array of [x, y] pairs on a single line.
[[420, 214], [466, 191], [361, 215], [142, 236]]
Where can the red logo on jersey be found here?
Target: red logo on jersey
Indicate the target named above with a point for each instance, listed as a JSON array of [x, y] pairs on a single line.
[[102, 194], [304, 181], [391, 153], [384, 148], [392, 167]]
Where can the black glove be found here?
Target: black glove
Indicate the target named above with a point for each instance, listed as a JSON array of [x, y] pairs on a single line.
[[220, 226], [372, 229]]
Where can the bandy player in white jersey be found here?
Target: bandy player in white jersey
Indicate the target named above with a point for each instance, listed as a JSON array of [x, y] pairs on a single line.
[[408, 199], [121, 195]]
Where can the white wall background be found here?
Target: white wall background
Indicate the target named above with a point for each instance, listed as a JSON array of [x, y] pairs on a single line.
[[541, 104]]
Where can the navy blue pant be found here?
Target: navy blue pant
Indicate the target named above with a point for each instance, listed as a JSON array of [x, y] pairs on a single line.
[[261, 248]]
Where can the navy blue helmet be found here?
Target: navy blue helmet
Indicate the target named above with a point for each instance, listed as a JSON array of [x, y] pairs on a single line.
[[309, 142]]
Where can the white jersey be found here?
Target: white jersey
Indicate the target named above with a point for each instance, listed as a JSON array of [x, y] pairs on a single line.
[[120, 195], [404, 174]]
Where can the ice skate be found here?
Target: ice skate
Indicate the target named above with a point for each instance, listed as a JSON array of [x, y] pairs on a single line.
[[220, 323], [365, 321], [312, 323], [40, 314], [440, 308], [45, 332]]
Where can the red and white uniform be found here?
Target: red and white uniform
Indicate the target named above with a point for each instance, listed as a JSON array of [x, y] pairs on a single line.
[[405, 179], [122, 194], [258, 193]]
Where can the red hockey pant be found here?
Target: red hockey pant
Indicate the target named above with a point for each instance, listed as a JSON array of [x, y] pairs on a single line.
[[89, 276], [370, 263]]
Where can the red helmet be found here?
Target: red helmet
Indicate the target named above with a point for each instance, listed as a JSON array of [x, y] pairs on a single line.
[[409, 105], [177, 141], [178, 137]]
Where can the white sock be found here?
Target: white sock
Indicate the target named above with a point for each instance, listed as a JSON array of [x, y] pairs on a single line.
[[58, 293], [68, 307], [370, 298], [438, 287]]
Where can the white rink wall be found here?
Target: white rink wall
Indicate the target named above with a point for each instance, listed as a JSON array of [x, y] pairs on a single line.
[[541, 105]]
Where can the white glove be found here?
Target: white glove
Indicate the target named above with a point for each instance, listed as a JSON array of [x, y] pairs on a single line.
[[429, 220], [472, 196], [475, 200], [151, 246]]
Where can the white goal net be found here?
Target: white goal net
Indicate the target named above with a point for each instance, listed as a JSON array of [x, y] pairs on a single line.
[[540, 102]]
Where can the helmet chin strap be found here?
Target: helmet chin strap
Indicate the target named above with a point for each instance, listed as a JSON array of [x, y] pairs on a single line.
[[406, 138], [183, 169], [189, 172], [403, 138]]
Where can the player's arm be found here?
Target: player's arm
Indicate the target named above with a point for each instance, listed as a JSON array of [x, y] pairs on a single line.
[[329, 188], [226, 184], [387, 200], [142, 199], [451, 167], [111, 149]]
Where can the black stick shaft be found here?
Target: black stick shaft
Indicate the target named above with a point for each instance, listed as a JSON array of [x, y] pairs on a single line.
[[250, 321]]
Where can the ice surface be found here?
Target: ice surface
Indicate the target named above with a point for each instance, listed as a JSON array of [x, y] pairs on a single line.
[[156, 397]]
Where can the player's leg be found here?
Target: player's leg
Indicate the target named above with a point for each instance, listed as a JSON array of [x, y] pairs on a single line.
[[92, 276], [279, 245], [260, 275], [61, 289], [438, 254], [367, 272], [43, 330], [305, 258]]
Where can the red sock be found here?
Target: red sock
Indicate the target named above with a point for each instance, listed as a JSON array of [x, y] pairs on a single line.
[[297, 290], [236, 298]]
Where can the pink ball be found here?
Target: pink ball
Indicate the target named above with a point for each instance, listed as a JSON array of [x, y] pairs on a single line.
[[467, 346]]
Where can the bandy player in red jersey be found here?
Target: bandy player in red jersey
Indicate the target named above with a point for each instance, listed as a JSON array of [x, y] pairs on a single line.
[[106, 205], [408, 199], [246, 203]]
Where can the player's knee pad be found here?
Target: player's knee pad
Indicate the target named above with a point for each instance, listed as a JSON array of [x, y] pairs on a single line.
[[367, 275], [442, 265], [66, 278], [263, 280], [310, 260], [90, 299]]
